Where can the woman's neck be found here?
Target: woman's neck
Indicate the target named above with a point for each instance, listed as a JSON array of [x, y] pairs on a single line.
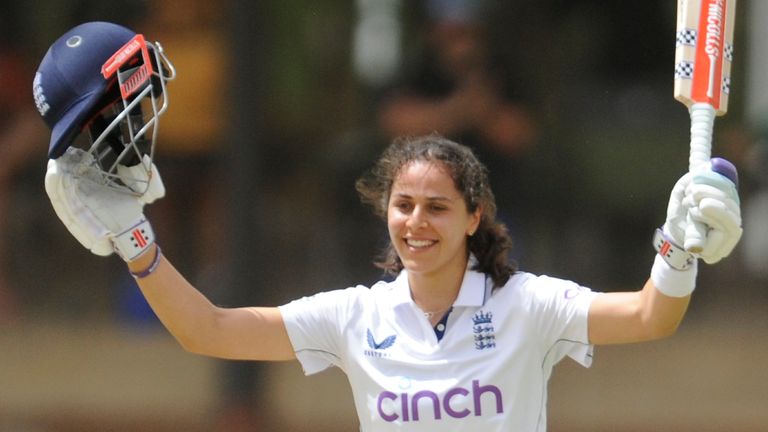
[[435, 292]]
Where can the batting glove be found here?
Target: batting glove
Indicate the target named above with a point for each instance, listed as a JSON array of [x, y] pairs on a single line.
[[102, 219], [709, 197]]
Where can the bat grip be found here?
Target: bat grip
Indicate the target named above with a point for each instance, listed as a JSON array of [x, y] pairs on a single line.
[[702, 125]]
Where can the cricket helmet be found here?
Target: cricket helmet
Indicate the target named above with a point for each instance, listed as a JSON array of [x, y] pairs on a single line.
[[106, 80]]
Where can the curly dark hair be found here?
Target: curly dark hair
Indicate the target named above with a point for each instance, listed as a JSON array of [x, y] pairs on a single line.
[[491, 242]]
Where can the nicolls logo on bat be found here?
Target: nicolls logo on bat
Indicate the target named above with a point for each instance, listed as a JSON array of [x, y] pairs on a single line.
[[714, 35], [708, 78]]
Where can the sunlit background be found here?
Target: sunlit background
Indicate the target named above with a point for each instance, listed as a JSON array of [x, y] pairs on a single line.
[[280, 105]]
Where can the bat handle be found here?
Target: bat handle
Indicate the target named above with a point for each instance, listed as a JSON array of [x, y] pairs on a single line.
[[702, 125]]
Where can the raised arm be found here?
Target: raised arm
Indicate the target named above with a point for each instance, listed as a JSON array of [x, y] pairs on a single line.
[[709, 197], [104, 85], [627, 317], [248, 333], [105, 221]]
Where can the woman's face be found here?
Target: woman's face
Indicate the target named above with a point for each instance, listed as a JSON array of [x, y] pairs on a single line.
[[428, 219]]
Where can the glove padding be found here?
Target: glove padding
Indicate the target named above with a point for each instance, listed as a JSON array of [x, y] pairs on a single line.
[[102, 219], [135, 177], [712, 199]]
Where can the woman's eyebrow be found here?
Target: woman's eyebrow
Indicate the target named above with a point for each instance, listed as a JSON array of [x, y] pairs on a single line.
[[430, 198]]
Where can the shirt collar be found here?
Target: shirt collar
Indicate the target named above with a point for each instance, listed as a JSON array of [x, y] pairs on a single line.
[[473, 291]]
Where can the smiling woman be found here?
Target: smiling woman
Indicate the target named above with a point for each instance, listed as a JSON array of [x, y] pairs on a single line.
[[437, 202], [429, 224], [463, 182]]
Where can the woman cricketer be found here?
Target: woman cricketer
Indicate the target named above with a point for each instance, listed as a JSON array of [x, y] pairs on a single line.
[[458, 339]]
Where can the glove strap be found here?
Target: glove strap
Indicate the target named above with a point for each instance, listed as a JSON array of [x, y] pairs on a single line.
[[152, 266], [677, 257], [130, 243]]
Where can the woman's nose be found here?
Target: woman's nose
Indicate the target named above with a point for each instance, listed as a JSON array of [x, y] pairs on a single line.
[[417, 219]]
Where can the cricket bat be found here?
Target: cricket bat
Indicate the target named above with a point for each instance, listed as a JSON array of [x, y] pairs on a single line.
[[703, 57]]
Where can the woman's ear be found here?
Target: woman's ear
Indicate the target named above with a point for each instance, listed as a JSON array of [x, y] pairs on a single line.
[[475, 219]]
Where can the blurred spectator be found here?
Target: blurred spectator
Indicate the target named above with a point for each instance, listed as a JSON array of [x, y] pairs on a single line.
[[456, 86], [21, 132]]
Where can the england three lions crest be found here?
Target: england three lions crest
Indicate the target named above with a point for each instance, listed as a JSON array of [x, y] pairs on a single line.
[[483, 330]]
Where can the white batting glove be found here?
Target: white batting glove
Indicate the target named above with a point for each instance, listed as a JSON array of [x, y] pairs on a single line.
[[155, 189], [711, 198], [102, 219]]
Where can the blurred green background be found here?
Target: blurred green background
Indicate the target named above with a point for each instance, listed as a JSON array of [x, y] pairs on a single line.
[[280, 105]]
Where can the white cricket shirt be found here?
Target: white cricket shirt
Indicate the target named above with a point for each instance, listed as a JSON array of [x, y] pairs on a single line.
[[489, 371]]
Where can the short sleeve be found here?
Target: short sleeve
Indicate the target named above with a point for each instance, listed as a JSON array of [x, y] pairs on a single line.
[[314, 325], [562, 313]]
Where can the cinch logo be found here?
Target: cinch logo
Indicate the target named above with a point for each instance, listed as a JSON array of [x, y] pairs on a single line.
[[392, 406]]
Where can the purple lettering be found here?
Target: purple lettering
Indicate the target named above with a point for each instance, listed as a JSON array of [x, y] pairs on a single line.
[[451, 401], [404, 406], [447, 402], [477, 392], [571, 293], [425, 394], [385, 416]]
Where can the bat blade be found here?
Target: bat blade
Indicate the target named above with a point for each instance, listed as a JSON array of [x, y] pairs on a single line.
[[704, 52]]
